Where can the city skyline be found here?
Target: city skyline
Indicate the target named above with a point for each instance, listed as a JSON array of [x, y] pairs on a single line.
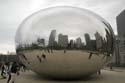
[[9, 23]]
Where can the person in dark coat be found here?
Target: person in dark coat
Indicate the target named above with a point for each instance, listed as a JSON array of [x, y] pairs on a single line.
[[13, 69], [3, 69]]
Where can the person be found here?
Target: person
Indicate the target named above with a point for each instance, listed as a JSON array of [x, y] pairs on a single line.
[[43, 56], [64, 51], [110, 66], [22, 67], [18, 69], [48, 50], [13, 69], [90, 55], [39, 58], [99, 72], [3, 71], [9, 72]]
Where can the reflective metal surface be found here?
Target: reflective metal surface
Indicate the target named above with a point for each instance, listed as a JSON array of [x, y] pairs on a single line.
[[64, 42]]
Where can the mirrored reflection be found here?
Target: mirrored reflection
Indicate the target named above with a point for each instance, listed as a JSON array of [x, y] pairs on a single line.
[[61, 32], [98, 43]]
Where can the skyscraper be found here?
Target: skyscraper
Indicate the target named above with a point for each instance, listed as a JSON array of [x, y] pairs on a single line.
[[41, 42], [71, 43], [88, 41], [78, 42], [121, 36], [121, 24], [52, 38], [99, 41], [62, 40]]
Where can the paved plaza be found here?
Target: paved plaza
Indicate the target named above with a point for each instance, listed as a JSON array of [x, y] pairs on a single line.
[[107, 76]]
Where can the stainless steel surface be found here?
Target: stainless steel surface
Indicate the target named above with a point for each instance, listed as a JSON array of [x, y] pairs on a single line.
[[64, 42]]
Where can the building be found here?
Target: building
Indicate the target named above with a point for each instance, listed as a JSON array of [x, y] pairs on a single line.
[[116, 57], [52, 38], [63, 40], [88, 41], [99, 41], [41, 42], [120, 19], [121, 36], [122, 50], [78, 42], [93, 45], [9, 58], [71, 43]]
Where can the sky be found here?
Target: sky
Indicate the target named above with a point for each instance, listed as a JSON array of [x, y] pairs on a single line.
[[13, 12]]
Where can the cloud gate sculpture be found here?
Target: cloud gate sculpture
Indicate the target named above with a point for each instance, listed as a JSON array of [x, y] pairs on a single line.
[[64, 42]]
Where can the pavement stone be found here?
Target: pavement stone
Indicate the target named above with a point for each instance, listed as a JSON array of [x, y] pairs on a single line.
[[106, 76]]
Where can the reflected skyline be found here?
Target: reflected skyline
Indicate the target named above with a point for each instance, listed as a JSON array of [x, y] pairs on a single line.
[[62, 41]]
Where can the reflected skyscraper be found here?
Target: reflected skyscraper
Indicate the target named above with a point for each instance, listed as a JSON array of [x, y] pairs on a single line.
[[99, 43], [41, 42], [62, 40], [71, 43], [78, 42], [108, 36], [88, 41], [52, 38], [93, 45]]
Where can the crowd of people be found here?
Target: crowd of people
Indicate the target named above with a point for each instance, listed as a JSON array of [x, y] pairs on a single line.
[[10, 70]]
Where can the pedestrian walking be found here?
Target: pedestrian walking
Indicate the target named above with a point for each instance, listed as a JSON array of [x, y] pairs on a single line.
[[13, 69], [9, 72], [3, 71], [99, 72], [39, 58], [43, 56]]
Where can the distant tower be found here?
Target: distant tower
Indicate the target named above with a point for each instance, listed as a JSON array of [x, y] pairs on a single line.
[[52, 38], [41, 42], [121, 36], [63, 40], [88, 41], [99, 41], [78, 42], [121, 24], [71, 44]]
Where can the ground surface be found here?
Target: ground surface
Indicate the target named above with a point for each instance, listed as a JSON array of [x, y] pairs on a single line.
[[107, 76]]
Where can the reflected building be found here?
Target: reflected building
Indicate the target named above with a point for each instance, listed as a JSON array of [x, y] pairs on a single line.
[[88, 41], [93, 45], [78, 42], [108, 37], [52, 38], [71, 44], [41, 42], [63, 40], [121, 36], [99, 41]]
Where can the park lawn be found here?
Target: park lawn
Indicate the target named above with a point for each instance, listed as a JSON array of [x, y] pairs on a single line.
[[1, 78]]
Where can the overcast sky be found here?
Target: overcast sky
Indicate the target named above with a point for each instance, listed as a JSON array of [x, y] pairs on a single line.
[[13, 12]]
